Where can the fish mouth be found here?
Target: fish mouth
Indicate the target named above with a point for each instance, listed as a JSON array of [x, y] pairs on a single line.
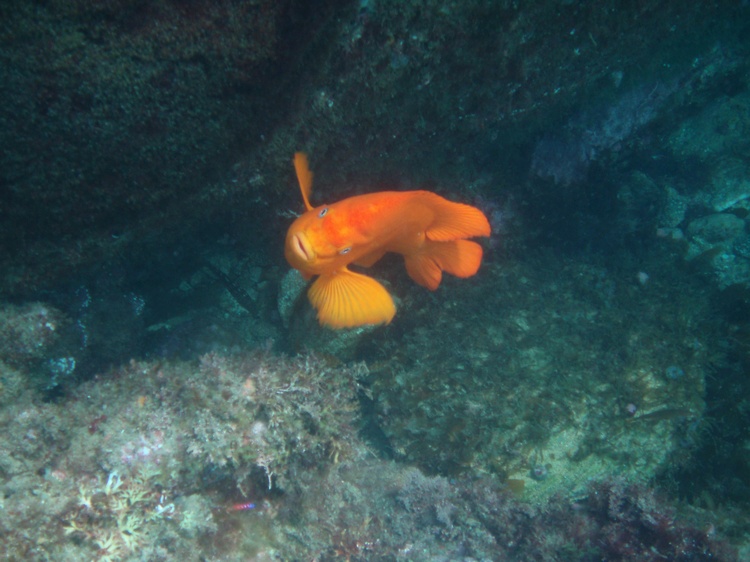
[[301, 247]]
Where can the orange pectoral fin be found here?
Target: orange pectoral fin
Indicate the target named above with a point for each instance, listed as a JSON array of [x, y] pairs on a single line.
[[345, 299], [461, 258]]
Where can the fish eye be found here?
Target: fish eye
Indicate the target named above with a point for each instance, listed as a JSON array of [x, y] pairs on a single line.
[[345, 250], [323, 212]]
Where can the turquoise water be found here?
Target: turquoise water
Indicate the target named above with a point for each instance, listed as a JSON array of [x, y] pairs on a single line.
[[166, 391]]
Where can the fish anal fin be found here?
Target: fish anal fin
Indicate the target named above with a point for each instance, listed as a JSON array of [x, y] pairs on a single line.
[[453, 221], [345, 299], [461, 258]]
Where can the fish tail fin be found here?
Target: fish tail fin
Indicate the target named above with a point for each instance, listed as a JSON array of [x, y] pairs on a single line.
[[453, 221], [345, 299], [457, 257], [304, 177]]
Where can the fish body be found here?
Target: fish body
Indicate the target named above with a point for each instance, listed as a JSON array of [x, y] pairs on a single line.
[[427, 229]]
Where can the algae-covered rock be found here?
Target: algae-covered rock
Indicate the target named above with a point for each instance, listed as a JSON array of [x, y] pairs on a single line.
[[719, 227]]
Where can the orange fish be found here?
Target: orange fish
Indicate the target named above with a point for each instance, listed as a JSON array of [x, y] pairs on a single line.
[[428, 230]]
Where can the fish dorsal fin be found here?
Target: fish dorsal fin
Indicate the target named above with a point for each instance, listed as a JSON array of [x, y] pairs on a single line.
[[453, 221], [304, 177], [345, 299]]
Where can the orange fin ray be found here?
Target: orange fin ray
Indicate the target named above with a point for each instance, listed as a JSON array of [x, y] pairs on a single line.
[[304, 177], [461, 258], [345, 299], [453, 221]]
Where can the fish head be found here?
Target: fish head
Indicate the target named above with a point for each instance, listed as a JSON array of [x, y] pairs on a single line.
[[321, 240]]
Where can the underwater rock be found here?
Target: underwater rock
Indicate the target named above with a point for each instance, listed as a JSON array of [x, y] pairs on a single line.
[[291, 289], [31, 333], [710, 146], [495, 383], [11, 383], [566, 156], [673, 212], [731, 187], [197, 518], [719, 227]]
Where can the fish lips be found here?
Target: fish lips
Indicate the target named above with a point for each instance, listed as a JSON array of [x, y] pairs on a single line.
[[300, 247]]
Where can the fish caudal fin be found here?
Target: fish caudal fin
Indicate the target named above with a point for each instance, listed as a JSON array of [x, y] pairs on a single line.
[[345, 299], [458, 257], [454, 221], [304, 177]]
